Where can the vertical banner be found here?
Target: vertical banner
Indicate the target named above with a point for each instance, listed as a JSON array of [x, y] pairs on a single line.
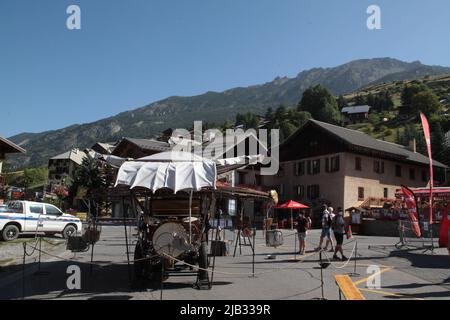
[[426, 131], [411, 205]]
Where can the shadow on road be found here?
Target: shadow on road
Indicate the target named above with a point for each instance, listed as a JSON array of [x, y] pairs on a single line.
[[421, 260], [104, 281]]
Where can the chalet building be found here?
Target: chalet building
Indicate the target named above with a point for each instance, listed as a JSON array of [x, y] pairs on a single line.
[[7, 147], [138, 148], [64, 165], [355, 114], [323, 163], [242, 175], [104, 148]]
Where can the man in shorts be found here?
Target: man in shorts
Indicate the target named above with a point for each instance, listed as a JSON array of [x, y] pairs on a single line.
[[326, 227], [302, 228], [339, 231]]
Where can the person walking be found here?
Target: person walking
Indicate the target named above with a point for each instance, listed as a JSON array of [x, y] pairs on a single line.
[[326, 227], [303, 226], [330, 239], [339, 231]]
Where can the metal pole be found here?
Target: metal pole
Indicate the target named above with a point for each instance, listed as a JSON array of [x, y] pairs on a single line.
[[214, 253], [23, 270], [295, 246], [40, 248], [190, 217], [321, 274], [235, 243], [91, 267], [253, 263], [126, 239], [292, 220]]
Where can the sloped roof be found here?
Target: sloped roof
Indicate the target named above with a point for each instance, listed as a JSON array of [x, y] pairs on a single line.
[[150, 144], [109, 147], [75, 155], [364, 141], [356, 109], [7, 146], [228, 142]]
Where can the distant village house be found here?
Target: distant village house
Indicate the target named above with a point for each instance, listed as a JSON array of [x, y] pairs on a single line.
[[138, 148], [355, 114], [64, 165]]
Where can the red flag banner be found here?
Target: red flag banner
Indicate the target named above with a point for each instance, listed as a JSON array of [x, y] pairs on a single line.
[[411, 205], [426, 132]]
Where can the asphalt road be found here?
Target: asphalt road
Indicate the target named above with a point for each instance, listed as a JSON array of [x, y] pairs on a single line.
[[404, 274]]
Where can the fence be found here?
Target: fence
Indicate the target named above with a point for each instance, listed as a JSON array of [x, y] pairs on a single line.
[[409, 239]]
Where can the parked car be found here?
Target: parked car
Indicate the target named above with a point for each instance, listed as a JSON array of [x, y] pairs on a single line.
[[36, 217]]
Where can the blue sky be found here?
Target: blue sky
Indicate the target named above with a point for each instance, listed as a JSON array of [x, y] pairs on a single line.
[[133, 52]]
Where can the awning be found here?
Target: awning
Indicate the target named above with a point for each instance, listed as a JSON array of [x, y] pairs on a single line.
[[292, 205], [172, 170]]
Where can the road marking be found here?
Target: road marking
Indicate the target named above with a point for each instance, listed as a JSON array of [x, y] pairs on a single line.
[[371, 276], [401, 295]]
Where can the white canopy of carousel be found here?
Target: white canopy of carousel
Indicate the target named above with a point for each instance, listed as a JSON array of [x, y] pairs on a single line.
[[175, 170]]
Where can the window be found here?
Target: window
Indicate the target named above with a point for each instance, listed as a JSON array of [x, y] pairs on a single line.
[[316, 166], [424, 176], [232, 207], [37, 208], [361, 194], [386, 193], [258, 179], [241, 176], [358, 165], [313, 192], [281, 189], [398, 170], [334, 164], [412, 173], [308, 167], [299, 191], [51, 210], [15, 207], [299, 168], [327, 165], [378, 167]]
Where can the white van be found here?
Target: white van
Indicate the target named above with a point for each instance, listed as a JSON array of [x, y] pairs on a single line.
[[36, 217]]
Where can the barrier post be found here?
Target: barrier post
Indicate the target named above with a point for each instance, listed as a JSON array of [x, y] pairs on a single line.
[[23, 269], [92, 258], [254, 248], [125, 216], [40, 248], [295, 246], [354, 273]]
